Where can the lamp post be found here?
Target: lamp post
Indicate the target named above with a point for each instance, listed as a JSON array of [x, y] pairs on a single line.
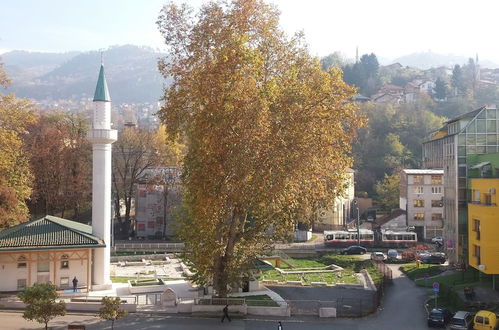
[[358, 221]]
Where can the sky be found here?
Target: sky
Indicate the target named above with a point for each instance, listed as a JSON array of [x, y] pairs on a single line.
[[389, 28]]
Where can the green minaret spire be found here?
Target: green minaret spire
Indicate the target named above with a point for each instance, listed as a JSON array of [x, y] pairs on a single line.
[[101, 91]]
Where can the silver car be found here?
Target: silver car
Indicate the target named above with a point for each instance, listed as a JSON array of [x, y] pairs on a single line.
[[461, 320]]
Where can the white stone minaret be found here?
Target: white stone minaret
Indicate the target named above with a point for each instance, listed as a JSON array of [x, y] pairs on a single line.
[[101, 136]]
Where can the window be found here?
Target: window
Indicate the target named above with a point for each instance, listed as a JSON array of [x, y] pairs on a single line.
[[21, 262], [418, 179], [419, 216], [436, 179], [64, 281], [64, 261], [476, 253], [418, 203], [21, 284], [476, 228], [437, 203], [436, 190], [436, 216], [43, 267], [417, 190], [487, 199], [476, 196]]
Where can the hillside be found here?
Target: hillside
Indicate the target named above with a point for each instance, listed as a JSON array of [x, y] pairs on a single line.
[[428, 60], [131, 72]]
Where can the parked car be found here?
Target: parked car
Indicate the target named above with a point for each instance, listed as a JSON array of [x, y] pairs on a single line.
[[354, 249], [434, 258], [422, 254], [485, 320], [392, 254], [462, 320], [439, 317], [438, 239], [377, 256]]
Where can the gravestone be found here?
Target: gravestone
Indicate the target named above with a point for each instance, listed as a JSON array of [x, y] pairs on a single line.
[[169, 298]]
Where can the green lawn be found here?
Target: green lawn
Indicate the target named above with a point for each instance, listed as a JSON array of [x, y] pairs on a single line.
[[459, 280], [116, 279], [414, 272], [260, 300], [351, 265], [119, 279]]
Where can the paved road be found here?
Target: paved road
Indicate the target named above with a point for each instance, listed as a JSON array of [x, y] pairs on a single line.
[[402, 309]]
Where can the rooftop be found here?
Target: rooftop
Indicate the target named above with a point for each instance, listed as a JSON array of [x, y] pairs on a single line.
[[101, 90], [46, 233], [423, 171]]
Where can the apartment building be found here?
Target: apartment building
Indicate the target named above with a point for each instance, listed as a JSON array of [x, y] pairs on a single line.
[[470, 134], [483, 227], [421, 196]]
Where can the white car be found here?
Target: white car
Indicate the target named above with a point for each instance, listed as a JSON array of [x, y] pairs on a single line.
[[377, 256], [436, 239]]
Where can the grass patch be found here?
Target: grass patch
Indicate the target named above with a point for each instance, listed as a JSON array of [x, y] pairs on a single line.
[[116, 279], [260, 300], [313, 238], [414, 272], [120, 279], [305, 263], [459, 280]]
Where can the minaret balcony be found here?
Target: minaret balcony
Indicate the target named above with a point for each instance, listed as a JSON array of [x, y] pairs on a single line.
[[103, 136]]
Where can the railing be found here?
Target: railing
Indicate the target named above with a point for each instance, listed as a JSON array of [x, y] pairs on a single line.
[[149, 247]]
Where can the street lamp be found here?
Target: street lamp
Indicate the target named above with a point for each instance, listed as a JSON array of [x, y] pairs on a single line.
[[358, 221]]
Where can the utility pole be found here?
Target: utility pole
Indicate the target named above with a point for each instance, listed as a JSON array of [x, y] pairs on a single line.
[[358, 221]]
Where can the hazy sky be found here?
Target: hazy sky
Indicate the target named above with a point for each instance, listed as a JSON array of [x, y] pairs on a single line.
[[389, 28]]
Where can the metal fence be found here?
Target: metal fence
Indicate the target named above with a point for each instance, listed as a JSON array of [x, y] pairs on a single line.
[[385, 270], [148, 247]]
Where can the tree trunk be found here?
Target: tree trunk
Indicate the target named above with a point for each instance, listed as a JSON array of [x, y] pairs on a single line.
[[220, 276], [165, 204]]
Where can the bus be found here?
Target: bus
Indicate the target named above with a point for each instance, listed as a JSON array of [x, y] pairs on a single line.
[[387, 239]]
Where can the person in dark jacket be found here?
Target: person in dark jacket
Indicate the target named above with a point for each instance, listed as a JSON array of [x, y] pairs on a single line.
[[75, 284], [226, 313]]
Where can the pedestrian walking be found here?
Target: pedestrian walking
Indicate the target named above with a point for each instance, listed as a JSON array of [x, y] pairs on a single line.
[[279, 326], [226, 313], [75, 284]]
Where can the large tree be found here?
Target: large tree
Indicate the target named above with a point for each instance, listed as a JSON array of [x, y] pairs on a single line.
[[15, 174], [268, 132], [60, 157]]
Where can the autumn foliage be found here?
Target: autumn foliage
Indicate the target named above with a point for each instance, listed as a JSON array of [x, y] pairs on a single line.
[[268, 133]]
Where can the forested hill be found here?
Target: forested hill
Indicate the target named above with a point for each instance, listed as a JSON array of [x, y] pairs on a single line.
[[131, 72], [427, 60]]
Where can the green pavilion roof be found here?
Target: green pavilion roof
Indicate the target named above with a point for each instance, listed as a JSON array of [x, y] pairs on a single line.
[[101, 91], [48, 232]]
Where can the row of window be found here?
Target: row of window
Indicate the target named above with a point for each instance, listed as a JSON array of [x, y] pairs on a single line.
[[420, 190], [43, 266], [434, 203], [435, 179], [434, 216], [22, 283]]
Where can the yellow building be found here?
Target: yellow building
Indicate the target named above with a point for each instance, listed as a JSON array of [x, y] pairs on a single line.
[[483, 225]]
